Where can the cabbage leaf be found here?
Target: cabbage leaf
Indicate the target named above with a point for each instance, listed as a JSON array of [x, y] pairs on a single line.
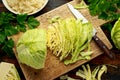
[[31, 48]]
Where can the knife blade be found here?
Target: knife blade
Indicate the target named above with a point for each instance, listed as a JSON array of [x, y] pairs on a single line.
[[78, 15]]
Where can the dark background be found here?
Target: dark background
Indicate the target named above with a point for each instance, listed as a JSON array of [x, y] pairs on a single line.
[[112, 74]]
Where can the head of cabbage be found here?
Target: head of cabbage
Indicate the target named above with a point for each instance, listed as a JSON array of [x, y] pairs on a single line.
[[115, 34], [31, 48]]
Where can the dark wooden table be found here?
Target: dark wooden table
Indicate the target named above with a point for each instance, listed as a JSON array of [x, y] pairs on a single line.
[[112, 74]]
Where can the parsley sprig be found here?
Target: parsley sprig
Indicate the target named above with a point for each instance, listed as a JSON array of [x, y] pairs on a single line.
[[105, 9], [12, 24]]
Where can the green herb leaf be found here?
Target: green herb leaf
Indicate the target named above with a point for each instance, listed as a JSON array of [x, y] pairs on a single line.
[[5, 17], [21, 27], [105, 9], [10, 30], [8, 47], [2, 37], [103, 15], [21, 18], [32, 22]]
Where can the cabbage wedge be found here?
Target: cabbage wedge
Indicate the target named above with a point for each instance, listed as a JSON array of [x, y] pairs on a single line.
[[31, 48], [8, 71]]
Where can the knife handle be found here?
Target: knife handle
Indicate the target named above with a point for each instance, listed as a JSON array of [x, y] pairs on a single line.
[[110, 54]]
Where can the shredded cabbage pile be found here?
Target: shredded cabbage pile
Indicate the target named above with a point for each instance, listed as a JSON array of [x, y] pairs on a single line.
[[68, 39]]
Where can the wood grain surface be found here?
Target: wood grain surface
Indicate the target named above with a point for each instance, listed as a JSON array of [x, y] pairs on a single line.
[[53, 67]]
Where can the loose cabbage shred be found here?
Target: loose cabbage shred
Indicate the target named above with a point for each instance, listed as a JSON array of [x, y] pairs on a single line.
[[31, 48], [69, 38], [87, 74]]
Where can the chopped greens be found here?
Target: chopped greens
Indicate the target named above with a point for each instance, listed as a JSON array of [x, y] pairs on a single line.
[[12, 24], [68, 38]]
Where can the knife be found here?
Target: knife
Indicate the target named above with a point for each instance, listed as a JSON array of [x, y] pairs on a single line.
[[78, 15]]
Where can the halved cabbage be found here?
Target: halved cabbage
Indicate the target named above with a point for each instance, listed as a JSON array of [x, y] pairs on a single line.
[[31, 48], [115, 34], [8, 71]]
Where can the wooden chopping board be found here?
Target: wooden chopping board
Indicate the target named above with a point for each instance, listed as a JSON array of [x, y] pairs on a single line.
[[53, 67]]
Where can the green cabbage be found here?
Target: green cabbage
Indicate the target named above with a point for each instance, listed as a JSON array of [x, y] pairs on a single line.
[[68, 38], [8, 72], [31, 48], [115, 34]]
